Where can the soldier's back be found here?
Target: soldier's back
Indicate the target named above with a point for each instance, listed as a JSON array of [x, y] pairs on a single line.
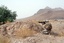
[[48, 26]]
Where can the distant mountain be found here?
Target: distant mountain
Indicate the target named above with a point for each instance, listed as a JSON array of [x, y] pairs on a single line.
[[48, 13]]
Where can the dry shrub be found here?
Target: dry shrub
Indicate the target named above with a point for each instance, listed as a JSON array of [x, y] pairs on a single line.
[[28, 28], [24, 32], [4, 39]]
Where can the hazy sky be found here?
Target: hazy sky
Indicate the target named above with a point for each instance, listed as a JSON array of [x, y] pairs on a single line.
[[25, 8]]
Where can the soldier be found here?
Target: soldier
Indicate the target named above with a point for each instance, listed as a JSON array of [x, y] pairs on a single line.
[[47, 28]]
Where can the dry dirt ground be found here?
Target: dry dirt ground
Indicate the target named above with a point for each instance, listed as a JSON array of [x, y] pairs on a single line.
[[29, 32]]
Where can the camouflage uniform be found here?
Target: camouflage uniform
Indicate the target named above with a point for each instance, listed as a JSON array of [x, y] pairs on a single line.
[[47, 28]]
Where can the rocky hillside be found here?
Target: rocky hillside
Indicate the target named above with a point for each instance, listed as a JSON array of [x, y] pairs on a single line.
[[48, 13], [30, 32]]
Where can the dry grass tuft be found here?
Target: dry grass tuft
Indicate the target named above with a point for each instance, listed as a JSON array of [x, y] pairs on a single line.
[[4, 39], [24, 32]]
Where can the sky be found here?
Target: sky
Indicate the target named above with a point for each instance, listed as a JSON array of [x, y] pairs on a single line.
[[26, 8]]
